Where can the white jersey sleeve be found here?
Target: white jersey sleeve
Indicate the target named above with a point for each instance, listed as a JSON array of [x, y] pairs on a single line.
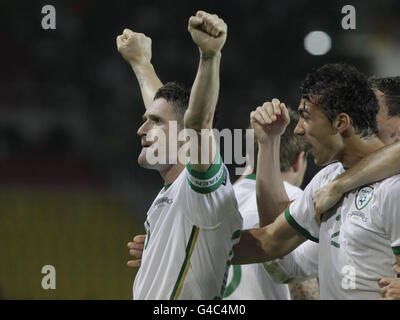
[[388, 195], [299, 265], [212, 193], [300, 214]]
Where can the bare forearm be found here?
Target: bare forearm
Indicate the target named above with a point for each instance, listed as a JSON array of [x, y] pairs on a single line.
[[270, 242], [376, 166], [204, 94], [271, 194], [250, 249], [148, 81]]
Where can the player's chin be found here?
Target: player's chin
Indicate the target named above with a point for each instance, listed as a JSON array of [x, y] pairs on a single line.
[[142, 160], [321, 160]]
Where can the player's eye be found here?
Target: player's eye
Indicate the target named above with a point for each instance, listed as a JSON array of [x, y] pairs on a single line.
[[155, 119]]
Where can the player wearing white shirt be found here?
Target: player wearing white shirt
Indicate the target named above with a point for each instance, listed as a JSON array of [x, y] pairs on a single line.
[[303, 262], [202, 224], [193, 223], [252, 281], [359, 239]]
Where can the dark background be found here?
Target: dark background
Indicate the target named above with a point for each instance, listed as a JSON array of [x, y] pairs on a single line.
[[70, 107]]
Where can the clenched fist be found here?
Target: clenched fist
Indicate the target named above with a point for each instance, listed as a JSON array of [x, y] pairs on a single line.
[[134, 47], [269, 120], [208, 31]]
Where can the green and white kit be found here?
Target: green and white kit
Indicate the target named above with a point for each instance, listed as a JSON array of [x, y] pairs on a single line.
[[358, 238], [191, 228]]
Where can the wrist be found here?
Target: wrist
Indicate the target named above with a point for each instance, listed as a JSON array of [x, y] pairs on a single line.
[[269, 141], [141, 67], [339, 186], [209, 55]]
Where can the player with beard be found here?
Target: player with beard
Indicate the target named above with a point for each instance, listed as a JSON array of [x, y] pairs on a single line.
[[359, 239]]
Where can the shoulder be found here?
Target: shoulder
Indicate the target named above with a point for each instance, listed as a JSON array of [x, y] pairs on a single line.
[[388, 188], [330, 171], [292, 191], [326, 175]]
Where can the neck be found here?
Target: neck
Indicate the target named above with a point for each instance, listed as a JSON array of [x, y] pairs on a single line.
[[356, 148], [291, 177], [248, 170], [170, 174]]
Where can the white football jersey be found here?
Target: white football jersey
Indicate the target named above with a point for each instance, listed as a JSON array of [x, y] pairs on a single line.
[[252, 281], [358, 238], [191, 228]]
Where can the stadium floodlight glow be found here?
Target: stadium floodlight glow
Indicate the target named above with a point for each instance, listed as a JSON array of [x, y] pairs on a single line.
[[317, 43]]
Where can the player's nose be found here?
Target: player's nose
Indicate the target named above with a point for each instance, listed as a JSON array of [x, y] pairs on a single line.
[[299, 129], [142, 129]]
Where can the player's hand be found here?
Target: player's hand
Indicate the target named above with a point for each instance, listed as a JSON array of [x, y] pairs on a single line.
[[390, 286], [134, 47], [270, 120], [208, 31], [324, 199], [136, 250]]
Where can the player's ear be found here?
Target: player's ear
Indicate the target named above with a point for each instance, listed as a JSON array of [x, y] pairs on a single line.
[[397, 133], [299, 161], [342, 122]]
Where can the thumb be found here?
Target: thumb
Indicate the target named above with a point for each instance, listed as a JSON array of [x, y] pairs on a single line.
[[285, 113], [396, 268]]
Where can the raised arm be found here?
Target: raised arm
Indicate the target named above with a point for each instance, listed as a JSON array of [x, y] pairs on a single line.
[[376, 166], [135, 48], [209, 34], [269, 123]]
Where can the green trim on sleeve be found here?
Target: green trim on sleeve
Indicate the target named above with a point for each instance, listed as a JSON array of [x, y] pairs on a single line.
[[396, 250], [211, 171], [251, 176], [297, 227], [207, 181], [196, 185], [236, 234]]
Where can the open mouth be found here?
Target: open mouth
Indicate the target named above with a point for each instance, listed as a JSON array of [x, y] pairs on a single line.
[[146, 144]]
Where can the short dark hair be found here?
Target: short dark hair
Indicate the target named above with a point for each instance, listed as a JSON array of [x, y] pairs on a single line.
[[340, 88], [291, 144], [177, 95], [390, 86]]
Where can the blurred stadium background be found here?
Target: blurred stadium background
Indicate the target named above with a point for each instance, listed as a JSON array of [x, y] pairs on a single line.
[[71, 192]]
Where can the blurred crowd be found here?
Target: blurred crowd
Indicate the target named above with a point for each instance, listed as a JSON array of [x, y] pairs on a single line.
[[70, 106]]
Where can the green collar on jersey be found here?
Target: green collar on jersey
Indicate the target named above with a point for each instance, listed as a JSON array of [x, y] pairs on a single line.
[[251, 176], [166, 186]]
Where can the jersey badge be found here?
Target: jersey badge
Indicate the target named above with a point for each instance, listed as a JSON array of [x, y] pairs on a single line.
[[363, 197]]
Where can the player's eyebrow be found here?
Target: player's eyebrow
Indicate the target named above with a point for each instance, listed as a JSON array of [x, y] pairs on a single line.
[[150, 116], [303, 109]]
